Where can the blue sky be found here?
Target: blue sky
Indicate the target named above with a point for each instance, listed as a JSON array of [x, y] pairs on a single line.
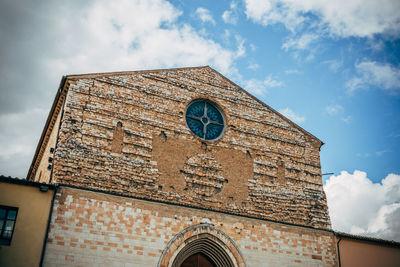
[[333, 67]]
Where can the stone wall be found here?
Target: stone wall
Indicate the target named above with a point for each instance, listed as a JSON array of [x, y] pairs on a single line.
[[96, 229], [126, 133]]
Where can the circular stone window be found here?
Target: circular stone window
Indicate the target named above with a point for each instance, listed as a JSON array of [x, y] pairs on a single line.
[[205, 119]]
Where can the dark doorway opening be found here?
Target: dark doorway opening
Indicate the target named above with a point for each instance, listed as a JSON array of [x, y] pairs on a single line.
[[198, 260]]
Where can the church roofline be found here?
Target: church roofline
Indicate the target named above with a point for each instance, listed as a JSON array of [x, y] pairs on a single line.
[[56, 106], [100, 74]]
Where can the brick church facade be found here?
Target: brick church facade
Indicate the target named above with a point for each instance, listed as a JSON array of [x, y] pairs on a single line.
[[169, 167]]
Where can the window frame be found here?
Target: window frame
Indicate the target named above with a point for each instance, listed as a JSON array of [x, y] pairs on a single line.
[[5, 241], [199, 118]]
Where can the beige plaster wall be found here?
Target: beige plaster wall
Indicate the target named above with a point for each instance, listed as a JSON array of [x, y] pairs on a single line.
[[367, 254], [30, 228]]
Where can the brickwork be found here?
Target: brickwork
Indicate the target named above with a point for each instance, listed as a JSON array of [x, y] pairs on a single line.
[[95, 229], [264, 166]]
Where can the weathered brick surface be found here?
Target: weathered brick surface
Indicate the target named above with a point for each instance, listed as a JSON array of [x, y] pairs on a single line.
[[264, 166], [94, 229]]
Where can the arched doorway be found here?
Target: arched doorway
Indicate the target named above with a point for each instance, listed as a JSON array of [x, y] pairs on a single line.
[[201, 245], [206, 245]]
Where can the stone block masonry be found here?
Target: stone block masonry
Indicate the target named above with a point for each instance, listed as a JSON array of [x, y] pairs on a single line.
[[126, 133], [96, 229]]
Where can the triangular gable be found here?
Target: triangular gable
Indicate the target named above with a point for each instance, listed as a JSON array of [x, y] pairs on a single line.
[[61, 92]]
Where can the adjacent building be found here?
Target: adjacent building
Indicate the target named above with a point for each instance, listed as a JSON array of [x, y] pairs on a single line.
[[24, 219]]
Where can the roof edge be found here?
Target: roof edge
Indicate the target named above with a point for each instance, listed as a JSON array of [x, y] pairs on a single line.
[[385, 242], [114, 73], [18, 181], [47, 125]]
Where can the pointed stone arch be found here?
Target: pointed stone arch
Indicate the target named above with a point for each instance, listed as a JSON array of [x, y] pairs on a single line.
[[202, 238]]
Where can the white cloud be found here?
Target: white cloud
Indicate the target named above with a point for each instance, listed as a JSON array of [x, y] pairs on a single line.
[[253, 66], [95, 36], [372, 73], [233, 5], [260, 87], [354, 83], [346, 119], [255, 86], [306, 42], [231, 16], [301, 43], [287, 112], [380, 153], [268, 12], [380, 223], [334, 65], [226, 36], [293, 71], [270, 82], [333, 109], [364, 155], [256, 10], [377, 153], [341, 18], [376, 45], [359, 206], [241, 50], [146, 36], [204, 15]]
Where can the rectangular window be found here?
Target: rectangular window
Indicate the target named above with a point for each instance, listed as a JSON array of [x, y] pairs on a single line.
[[8, 216]]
